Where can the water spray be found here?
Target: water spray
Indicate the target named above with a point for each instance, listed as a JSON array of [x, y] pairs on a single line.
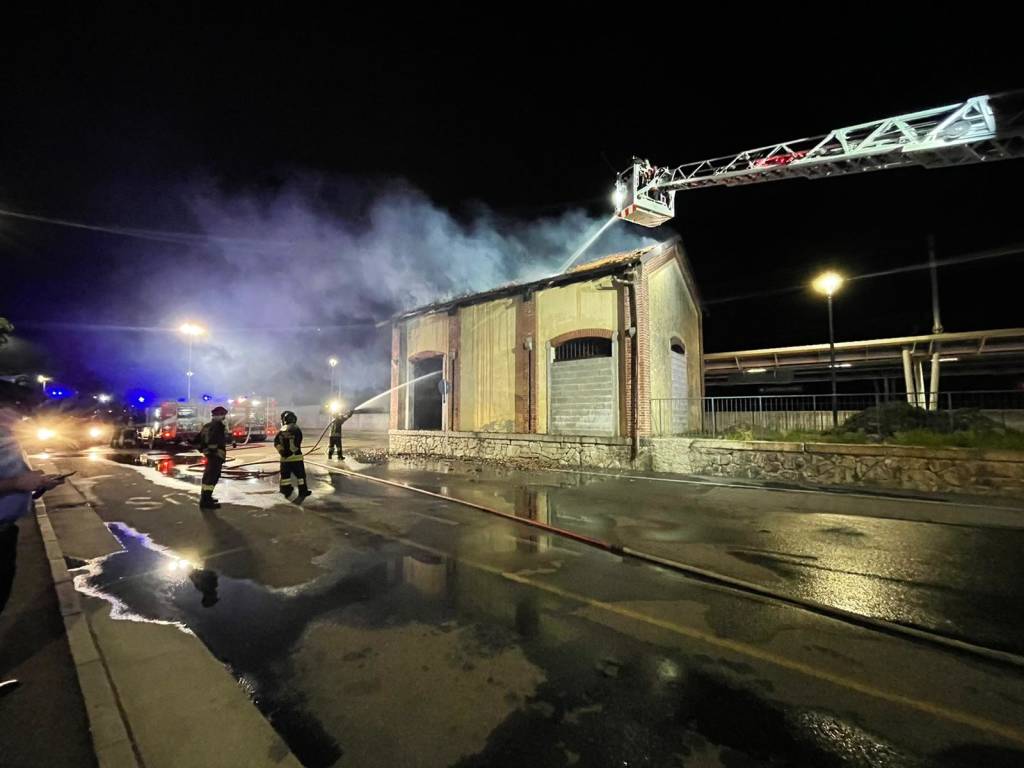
[[580, 251], [367, 402], [400, 386], [232, 472]]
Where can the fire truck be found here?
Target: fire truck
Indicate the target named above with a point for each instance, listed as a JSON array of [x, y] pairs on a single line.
[[174, 422], [250, 419]]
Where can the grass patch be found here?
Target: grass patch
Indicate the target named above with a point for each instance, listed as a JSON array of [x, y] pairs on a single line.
[[900, 424]]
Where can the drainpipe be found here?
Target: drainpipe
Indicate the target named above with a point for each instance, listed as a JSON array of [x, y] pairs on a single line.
[[632, 332], [528, 343]]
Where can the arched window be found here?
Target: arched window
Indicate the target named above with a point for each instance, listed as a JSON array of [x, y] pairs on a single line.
[[583, 349]]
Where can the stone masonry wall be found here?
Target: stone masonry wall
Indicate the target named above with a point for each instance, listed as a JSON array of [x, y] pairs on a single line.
[[943, 470], [566, 451]]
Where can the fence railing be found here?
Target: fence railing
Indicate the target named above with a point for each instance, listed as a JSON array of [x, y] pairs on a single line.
[[716, 416]]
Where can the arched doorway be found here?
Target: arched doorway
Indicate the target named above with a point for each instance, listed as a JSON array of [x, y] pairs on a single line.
[[426, 401], [582, 386]]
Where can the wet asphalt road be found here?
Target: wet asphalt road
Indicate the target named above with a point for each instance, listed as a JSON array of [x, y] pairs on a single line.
[[376, 627], [856, 553]]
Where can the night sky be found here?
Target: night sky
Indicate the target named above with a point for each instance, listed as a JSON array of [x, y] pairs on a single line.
[[312, 156]]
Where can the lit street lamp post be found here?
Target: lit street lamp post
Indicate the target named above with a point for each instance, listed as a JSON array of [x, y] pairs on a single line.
[[828, 283], [191, 330]]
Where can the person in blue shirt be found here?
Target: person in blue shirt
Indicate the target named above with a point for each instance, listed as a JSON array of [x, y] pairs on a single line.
[[18, 485]]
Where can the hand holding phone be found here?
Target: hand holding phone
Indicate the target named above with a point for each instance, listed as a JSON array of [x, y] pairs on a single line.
[[51, 482]]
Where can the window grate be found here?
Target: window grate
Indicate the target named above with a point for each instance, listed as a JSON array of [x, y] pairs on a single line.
[[583, 349]]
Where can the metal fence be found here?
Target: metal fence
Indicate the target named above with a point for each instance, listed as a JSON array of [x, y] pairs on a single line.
[[779, 414]]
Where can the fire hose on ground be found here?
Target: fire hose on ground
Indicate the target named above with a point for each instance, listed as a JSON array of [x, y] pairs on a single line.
[[701, 574], [233, 472], [729, 582]]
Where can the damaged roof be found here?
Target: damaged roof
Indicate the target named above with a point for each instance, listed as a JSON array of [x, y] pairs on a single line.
[[606, 265]]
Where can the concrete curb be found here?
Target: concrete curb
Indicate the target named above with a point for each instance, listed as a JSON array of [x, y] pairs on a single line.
[[120, 665], [111, 737]]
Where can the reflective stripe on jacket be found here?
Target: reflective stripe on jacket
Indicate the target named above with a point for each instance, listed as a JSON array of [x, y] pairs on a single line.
[[288, 443]]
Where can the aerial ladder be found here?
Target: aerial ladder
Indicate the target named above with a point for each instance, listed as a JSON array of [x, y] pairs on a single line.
[[981, 129]]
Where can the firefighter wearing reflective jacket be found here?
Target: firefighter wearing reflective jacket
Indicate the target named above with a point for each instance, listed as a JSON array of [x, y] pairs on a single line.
[[213, 445], [335, 442], [289, 446]]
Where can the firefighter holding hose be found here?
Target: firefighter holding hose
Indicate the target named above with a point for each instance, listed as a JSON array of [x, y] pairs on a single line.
[[288, 443], [213, 445], [335, 441]]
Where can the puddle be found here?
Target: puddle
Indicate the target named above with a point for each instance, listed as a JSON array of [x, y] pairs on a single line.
[[188, 465]]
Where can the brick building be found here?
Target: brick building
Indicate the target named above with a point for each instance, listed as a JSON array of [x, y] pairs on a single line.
[[582, 353]]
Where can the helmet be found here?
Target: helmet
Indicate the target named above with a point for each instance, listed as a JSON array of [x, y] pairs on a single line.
[[289, 418], [220, 410]]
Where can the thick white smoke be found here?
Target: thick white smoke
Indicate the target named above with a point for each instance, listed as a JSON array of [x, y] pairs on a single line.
[[287, 280]]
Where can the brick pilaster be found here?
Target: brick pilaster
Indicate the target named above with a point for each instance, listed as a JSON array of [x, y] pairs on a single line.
[[640, 345], [526, 365], [396, 373], [453, 371]]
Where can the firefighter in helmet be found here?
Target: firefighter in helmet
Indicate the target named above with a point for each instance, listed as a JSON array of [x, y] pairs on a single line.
[[288, 443], [335, 441], [213, 445]]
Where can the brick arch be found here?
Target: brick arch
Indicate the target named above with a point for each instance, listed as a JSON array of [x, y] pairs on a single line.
[[582, 333], [424, 354]]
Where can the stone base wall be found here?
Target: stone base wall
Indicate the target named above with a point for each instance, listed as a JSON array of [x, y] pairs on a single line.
[[942, 470], [563, 451]]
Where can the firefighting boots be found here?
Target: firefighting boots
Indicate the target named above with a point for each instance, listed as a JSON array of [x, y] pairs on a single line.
[[206, 501]]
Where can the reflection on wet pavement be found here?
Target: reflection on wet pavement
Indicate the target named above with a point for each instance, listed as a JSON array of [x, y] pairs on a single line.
[[395, 656], [920, 575], [396, 648]]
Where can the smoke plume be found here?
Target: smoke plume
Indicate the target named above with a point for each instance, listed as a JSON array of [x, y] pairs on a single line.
[[284, 281]]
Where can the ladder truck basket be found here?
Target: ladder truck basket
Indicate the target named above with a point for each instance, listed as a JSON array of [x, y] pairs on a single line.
[[635, 203]]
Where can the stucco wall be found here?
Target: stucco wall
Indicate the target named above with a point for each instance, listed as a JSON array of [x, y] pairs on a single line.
[[673, 315], [487, 340], [427, 333], [566, 309]]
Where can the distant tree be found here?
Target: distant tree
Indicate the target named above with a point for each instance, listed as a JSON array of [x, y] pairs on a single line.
[[6, 329]]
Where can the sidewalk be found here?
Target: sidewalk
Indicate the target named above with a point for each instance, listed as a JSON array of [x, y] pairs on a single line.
[[44, 721], [155, 696]]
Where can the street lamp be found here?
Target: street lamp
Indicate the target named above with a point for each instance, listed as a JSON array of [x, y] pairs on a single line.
[[828, 283], [191, 330], [333, 362]]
